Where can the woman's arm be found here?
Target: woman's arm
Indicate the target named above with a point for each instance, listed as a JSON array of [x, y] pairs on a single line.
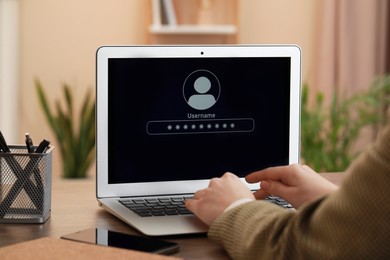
[[350, 223]]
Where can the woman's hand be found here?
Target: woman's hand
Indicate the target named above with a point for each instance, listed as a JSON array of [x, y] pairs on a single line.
[[294, 183], [208, 204]]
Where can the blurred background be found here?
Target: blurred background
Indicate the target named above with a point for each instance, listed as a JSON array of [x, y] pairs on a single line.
[[345, 46]]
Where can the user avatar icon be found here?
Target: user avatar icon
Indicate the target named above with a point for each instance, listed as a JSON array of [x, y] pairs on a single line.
[[202, 100], [201, 89]]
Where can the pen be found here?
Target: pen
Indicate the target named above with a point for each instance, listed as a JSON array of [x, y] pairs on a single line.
[[42, 147], [3, 144], [36, 171], [29, 143]]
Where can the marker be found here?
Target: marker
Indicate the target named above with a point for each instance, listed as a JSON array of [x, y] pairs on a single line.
[[42, 146], [29, 143]]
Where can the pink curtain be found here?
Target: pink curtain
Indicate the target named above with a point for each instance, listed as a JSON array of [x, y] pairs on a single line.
[[352, 45]]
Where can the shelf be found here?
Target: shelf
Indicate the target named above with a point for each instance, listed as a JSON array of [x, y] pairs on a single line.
[[192, 21], [193, 29]]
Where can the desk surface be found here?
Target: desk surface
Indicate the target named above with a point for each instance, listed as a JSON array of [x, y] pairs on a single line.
[[74, 208]]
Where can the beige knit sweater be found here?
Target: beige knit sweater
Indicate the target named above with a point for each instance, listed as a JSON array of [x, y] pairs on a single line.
[[352, 223]]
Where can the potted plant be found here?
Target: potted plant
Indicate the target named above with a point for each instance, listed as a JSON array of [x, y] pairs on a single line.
[[76, 140], [328, 133]]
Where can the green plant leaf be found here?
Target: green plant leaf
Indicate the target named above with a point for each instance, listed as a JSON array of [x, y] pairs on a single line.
[[328, 133], [77, 146]]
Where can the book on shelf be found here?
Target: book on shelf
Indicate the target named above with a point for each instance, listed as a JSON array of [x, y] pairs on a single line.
[[164, 13], [170, 13], [156, 12]]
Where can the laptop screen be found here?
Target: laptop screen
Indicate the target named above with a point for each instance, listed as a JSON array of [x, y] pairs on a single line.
[[196, 118], [171, 117]]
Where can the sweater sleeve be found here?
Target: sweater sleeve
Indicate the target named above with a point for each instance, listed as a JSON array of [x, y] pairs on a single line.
[[351, 223]]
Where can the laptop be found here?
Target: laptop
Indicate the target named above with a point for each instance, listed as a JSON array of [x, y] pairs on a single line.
[[170, 118]]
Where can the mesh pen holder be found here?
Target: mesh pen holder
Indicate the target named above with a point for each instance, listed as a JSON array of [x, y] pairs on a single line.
[[25, 185]]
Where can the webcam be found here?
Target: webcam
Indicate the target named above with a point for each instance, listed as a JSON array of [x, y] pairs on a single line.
[[201, 52]]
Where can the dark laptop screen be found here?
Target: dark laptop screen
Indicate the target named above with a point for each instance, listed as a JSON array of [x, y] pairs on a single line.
[[196, 118]]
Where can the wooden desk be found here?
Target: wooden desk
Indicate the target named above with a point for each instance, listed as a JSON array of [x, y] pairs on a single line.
[[74, 207]]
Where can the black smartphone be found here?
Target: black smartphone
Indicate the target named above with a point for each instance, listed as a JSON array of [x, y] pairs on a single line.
[[105, 237]]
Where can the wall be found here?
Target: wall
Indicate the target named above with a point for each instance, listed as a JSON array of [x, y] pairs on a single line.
[[281, 22], [58, 43], [9, 69], [59, 39]]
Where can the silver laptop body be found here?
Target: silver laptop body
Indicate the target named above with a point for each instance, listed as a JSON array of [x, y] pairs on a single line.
[[170, 118]]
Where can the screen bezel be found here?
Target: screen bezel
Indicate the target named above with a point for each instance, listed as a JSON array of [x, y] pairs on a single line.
[[104, 189]]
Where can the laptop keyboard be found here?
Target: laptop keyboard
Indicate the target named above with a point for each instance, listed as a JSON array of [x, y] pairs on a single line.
[[165, 206], [279, 201]]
